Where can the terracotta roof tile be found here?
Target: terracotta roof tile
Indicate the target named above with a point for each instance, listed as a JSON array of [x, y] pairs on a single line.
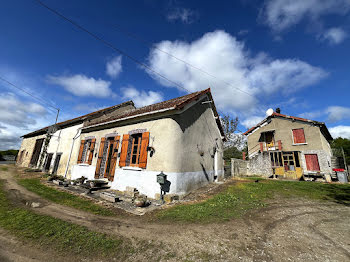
[[321, 124], [80, 118], [175, 103]]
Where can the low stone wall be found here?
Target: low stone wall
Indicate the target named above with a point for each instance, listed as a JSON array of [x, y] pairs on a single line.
[[259, 165], [239, 167]]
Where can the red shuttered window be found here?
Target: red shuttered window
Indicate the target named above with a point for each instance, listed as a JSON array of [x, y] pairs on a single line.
[[299, 136]]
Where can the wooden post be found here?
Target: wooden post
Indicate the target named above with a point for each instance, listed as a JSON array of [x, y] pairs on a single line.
[[345, 165], [243, 155], [261, 147], [279, 145]]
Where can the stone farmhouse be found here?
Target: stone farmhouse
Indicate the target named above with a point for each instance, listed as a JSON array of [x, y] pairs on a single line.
[[289, 147], [129, 147]]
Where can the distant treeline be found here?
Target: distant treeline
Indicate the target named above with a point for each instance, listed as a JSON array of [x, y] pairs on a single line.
[[10, 152]]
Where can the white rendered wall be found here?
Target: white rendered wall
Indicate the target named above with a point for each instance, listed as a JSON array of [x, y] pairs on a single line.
[[146, 181]]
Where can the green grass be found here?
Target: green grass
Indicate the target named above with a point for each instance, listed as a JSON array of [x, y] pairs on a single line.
[[237, 199], [58, 234], [63, 198], [4, 168]]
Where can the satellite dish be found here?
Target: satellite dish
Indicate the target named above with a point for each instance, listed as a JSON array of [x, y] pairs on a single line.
[[269, 112]]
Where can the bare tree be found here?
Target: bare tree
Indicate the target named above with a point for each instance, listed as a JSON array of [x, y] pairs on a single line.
[[233, 136]]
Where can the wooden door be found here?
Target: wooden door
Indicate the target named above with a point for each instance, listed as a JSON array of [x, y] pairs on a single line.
[[36, 152]]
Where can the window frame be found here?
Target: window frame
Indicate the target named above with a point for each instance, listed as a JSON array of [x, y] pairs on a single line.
[[133, 137], [293, 137]]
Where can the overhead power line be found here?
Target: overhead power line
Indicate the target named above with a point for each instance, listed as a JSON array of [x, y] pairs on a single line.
[[25, 91], [110, 45], [149, 44]]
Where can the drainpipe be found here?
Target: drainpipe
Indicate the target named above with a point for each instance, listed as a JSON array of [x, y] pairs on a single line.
[[71, 150]]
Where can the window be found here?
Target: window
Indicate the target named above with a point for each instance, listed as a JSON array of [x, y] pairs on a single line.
[[276, 159], [56, 163], [288, 161], [134, 150], [86, 151], [298, 136]]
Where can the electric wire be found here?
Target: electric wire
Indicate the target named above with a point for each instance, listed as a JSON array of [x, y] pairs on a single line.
[[25, 91], [149, 44], [110, 45]]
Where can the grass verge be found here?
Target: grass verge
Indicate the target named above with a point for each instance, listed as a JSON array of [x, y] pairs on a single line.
[[237, 199], [56, 233], [63, 198], [4, 168]]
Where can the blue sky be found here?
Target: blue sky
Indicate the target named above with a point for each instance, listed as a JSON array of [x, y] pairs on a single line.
[[289, 54]]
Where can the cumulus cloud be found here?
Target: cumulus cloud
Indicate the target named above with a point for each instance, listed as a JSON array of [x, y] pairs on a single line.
[[114, 67], [185, 15], [141, 98], [9, 141], [337, 113], [81, 85], [334, 35], [340, 131], [18, 113], [221, 55], [252, 121], [332, 113], [282, 14]]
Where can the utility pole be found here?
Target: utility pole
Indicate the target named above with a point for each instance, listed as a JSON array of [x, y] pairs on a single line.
[[346, 166]]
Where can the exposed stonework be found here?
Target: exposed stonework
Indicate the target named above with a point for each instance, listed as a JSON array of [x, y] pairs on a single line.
[[324, 161], [260, 165]]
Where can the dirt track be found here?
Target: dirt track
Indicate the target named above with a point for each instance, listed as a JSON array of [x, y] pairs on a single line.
[[297, 230]]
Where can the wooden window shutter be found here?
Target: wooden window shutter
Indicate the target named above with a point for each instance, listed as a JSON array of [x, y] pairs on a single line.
[[92, 148], [299, 136], [312, 162], [124, 151], [99, 159], [114, 157], [81, 151], [143, 151]]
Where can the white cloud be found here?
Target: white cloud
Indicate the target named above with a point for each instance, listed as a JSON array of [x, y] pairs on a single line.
[[18, 117], [340, 131], [337, 113], [282, 14], [114, 67], [312, 115], [17, 113], [252, 121], [81, 85], [223, 56], [184, 15], [334, 35], [141, 98]]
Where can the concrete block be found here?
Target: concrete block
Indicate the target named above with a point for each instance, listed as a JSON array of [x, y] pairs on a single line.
[[131, 192], [57, 182], [35, 204], [170, 198], [110, 197]]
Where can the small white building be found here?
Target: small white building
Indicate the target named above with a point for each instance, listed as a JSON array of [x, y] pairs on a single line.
[[181, 137]]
